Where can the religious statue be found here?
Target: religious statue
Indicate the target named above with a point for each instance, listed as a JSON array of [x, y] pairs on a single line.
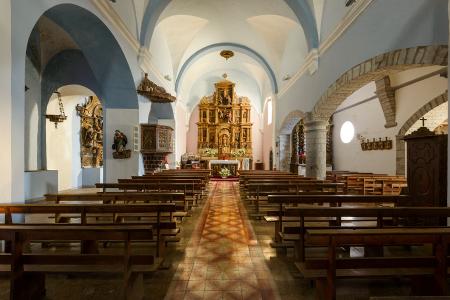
[[120, 142]]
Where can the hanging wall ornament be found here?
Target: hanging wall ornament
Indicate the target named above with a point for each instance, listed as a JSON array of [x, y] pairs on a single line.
[[153, 92]]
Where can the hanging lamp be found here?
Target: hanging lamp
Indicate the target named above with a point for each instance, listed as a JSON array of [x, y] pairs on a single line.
[[62, 116]]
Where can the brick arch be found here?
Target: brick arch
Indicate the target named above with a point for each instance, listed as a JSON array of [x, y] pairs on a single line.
[[290, 121], [375, 69], [400, 143]]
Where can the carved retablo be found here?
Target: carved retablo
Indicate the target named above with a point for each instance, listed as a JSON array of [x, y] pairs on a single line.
[[224, 123], [91, 133]]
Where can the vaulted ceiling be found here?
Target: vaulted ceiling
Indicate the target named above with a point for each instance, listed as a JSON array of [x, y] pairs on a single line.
[[270, 39]]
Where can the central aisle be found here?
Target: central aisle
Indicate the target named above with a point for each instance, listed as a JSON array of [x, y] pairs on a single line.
[[223, 260]]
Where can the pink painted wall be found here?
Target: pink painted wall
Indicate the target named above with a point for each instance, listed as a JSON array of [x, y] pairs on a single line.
[[191, 135]]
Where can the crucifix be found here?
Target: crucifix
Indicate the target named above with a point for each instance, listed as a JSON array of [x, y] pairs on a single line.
[[423, 121]]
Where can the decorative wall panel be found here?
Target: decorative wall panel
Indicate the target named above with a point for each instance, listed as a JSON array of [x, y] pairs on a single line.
[[91, 133]]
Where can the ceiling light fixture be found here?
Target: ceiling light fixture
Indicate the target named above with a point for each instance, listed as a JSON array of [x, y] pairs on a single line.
[[226, 54]]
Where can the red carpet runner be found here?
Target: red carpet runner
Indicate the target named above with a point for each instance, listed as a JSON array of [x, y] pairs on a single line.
[[223, 260]]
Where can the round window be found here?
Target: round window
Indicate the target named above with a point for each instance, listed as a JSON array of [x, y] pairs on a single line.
[[347, 132]]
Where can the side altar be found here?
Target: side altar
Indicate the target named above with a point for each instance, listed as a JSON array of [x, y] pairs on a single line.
[[224, 127]]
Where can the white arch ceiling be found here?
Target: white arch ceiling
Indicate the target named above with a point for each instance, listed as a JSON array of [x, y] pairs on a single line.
[[271, 42]]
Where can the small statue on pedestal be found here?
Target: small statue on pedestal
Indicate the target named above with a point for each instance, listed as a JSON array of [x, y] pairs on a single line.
[[120, 142]]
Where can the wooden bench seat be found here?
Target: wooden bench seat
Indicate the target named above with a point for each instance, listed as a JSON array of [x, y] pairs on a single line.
[[62, 212], [326, 270], [385, 217], [27, 270]]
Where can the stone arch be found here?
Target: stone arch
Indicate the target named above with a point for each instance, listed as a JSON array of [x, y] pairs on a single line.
[[400, 143], [284, 138], [374, 69], [290, 121]]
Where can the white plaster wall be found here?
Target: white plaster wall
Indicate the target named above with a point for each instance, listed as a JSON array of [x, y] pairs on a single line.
[[368, 119], [180, 131], [39, 183], [123, 120], [257, 136], [268, 136], [63, 143], [32, 113], [5, 102]]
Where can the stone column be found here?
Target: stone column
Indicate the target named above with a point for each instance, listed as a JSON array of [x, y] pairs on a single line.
[[316, 148], [285, 151]]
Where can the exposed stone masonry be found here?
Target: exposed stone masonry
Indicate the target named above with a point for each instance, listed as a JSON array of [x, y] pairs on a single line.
[[386, 96], [316, 148], [374, 69]]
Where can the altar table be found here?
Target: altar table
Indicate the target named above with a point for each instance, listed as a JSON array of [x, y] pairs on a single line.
[[217, 165]]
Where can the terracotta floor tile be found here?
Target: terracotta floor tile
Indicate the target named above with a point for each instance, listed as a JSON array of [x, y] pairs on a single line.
[[221, 261], [195, 295], [196, 285], [212, 295]]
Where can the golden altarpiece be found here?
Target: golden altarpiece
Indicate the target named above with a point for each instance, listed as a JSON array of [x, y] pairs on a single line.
[[224, 127]]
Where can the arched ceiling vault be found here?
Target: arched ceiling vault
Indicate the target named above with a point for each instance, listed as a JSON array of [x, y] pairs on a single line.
[[235, 47], [270, 38], [301, 8]]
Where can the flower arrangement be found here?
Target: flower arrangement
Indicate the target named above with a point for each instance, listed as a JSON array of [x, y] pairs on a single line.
[[210, 152], [224, 172], [239, 152]]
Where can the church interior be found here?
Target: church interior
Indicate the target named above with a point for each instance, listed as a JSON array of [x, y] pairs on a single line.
[[211, 149]]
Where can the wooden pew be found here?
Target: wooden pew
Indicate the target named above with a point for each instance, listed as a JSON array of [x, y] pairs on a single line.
[[27, 270], [433, 265], [192, 192], [276, 216], [149, 214], [333, 218], [178, 199], [256, 192], [162, 180]]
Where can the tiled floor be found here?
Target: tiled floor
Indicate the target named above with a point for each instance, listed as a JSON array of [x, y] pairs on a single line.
[[223, 260]]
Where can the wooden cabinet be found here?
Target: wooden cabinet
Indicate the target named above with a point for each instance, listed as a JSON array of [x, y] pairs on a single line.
[[427, 167]]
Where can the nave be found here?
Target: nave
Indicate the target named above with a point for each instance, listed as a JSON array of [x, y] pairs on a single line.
[[225, 250]]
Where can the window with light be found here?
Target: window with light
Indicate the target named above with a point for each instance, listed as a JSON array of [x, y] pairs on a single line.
[[347, 132]]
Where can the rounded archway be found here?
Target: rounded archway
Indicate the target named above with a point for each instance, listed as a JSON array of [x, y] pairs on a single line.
[[375, 69], [410, 124], [75, 146], [63, 51]]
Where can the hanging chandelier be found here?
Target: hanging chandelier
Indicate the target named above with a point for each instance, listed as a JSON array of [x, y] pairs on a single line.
[[62, 116], [226, 54]]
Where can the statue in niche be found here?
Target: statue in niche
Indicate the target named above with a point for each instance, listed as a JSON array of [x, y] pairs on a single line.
[[91, 133], [120, 142]]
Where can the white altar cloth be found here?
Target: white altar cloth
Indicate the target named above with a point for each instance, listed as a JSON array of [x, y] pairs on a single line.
[[223, 162]]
